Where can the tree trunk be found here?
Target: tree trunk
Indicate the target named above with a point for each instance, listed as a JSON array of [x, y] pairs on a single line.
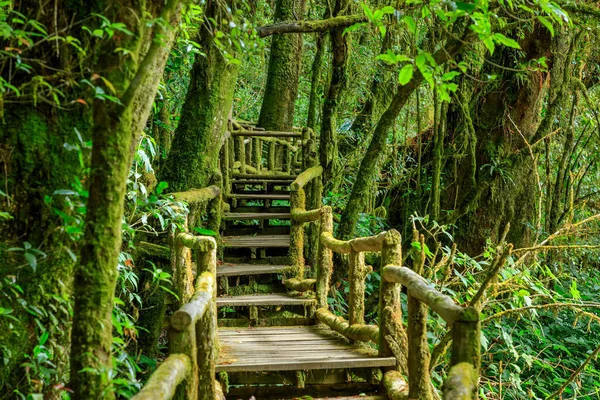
[[317, 66], [328, 146], [194, 154], [115, 131], [279, 102]]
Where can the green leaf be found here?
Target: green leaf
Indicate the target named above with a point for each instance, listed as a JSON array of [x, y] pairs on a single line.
[[489, 43], [508, 42], [547, 24], [448, 76], [354, 27], [382, 30], [406, 74], [410, 24], [367, 11], [206, 232], [162, 185], [388, 10], [31, 260]]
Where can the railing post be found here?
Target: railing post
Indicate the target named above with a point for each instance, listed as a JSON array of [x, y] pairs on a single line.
[[356, 300], [206, 327], [466, 345], [325, 259], [297, 202], [257, 154], [271, 160], [418, 348], [226, 167], [240, 153], [392, 338], [181, 267]]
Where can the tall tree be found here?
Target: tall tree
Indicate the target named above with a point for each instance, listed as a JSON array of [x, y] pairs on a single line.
[[281, 91]]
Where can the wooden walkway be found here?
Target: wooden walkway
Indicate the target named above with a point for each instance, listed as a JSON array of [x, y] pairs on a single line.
[[291, 348]]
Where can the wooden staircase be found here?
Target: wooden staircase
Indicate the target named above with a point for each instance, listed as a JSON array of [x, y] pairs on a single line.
[[270, 345]]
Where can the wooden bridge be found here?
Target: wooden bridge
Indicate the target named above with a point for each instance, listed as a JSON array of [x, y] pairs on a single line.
[[257, 322]]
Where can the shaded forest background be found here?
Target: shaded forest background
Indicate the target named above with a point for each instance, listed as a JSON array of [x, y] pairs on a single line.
[[475, 122]]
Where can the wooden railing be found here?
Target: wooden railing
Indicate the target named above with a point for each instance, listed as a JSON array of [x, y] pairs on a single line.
[[189, 370], [409, 346]]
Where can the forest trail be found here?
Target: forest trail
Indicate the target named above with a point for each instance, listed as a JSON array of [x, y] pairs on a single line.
[[260, 319]]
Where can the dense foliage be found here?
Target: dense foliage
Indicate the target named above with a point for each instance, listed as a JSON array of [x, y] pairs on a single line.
[[473, 122]]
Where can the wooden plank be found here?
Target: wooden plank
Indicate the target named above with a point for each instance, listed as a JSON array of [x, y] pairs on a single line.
[[260, 196], [266, 134], [275, 299], [251, 216], [266, 177], [250, 269], [257, 241], [274, 181], [291, 348], [291, 365]]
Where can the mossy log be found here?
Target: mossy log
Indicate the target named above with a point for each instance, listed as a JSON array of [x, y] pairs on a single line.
[[181, 265], [298, 285], [461, 383], [164, 381], [282, 142], [153, 250], [190, 313], [324, 258], [198, 195], [370, 243], [184, 342], [305, 177], [363, 333], [219, 393], [304, 216], [466, 345], [395, 385], [265, 175], [443, 305]]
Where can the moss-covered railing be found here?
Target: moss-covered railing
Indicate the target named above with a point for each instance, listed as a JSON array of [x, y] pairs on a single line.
[[189, 370], [253, 153], [409, 347]]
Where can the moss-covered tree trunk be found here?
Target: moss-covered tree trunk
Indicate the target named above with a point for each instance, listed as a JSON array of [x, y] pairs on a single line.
[[116, 127], [317, 66], [194, 153], [328, 143], [277, 111]]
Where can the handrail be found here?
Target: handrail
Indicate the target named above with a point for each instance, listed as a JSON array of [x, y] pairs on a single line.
[[198, 195], [189, 371]]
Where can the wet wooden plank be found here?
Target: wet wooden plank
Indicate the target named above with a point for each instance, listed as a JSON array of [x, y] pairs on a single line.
[[291, 348], [250, 216], [260, 196], [256, 241], [275, 299], [250, 269]]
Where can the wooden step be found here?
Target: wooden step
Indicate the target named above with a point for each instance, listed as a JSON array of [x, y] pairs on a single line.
[[251, 216], [250, 269], [291, 348], [284, 182], [273, 299], [261, 241], [260, 196], [279, 176]]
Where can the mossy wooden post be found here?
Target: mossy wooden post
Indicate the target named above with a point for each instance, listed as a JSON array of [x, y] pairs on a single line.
[[206, 327], [181, 267], [287, 157], [184, 342], [214, 206], [226, 168], [297, 202], [392, 338], [418, 348], [257, 154], [240, 153], [249, 151], [466, 345], [356, 301], [271, 160], [325, 259], [231, 145]]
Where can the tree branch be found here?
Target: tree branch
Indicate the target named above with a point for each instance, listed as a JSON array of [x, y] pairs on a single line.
[[311, 26]]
